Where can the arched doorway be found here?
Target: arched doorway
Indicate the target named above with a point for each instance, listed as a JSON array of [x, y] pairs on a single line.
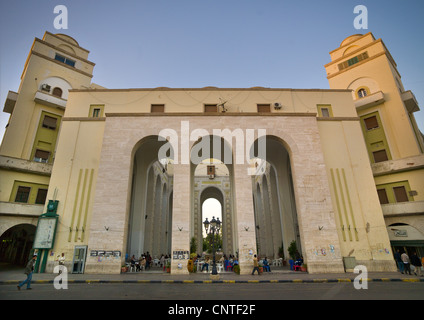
[[16, 244], [274, 200], [212, 177], [149, 223]]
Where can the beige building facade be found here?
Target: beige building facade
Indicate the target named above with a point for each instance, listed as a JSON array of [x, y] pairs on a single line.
[[132, 168], [55, 64]]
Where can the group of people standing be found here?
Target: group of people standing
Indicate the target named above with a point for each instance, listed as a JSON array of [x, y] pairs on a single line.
[[404, 263]]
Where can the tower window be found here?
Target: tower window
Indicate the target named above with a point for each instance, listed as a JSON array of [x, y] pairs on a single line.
[[41, 156], [57, 92], [353, 61], [49, 123], [65, 60], [362, 93], [22, 195], [380, 156], [371, 123], [382, 196], [400, 194], [41, 196]]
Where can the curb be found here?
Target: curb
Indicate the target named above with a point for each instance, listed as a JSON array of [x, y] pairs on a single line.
[[10, 282]]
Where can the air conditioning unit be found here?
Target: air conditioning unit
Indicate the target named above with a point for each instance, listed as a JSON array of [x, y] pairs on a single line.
[[277, 106], [45, 87]]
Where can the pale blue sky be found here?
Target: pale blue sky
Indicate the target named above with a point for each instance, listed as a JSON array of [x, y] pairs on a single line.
[[197, 43]]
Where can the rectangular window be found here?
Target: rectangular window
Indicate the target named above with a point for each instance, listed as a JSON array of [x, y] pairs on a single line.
[[325, 110], [70, 62], [353, 61], [60, 58], [371, 123], [211, 108], [382, 195], [211, 170], [65, 60], [41, 156], [400, 194], [380, 156], [22, 195], [157, 108], [96, 110], [264, 108], [41, 196], [49, 123]]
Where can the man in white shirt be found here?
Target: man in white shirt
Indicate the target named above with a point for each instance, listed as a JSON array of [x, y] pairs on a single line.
[[405, 260]]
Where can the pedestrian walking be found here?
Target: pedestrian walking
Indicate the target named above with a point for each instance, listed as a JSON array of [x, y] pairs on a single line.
[[255, 265], [399, 261], [61, 260], [406, 262], [416, 262], [29, 269]]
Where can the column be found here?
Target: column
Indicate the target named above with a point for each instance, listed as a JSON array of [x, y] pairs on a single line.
[[181, 219], [245, 220]]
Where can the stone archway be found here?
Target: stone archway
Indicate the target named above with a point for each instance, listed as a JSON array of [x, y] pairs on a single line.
[[16, 244], [149, 225], [220, 187], [275, 204]]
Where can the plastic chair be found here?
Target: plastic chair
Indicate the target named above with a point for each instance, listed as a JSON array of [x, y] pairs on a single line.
[[220, 267], [291, 264]]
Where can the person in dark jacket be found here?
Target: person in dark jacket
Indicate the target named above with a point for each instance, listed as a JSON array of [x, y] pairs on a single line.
[[399, 261], [416, 262], [29, 269]]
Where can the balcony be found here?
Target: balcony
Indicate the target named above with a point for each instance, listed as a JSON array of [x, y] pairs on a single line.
[[399, 165], [411, 103], [22, 165], [21, 209], [9, 105], [49, 100], [403, 208], [369, 101]]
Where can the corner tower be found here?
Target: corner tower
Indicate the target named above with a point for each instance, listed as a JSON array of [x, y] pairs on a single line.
[[394, 143], [55, 64]]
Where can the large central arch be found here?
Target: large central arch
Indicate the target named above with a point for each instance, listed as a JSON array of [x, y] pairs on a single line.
[[213, 151]]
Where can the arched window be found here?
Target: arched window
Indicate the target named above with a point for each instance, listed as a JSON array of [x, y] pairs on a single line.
[[57, 92], [362, 93]]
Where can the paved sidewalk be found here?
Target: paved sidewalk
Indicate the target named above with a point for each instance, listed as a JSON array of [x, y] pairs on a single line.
[[13, 275]]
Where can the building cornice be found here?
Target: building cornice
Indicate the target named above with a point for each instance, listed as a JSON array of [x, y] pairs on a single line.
[[209, 89], [64, 51], [61, 64]]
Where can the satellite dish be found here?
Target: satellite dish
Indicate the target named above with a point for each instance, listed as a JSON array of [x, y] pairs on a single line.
[[222, 104]]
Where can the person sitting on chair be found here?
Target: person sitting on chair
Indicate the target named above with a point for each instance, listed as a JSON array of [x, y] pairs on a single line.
[[206, 264], [266, 265]]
